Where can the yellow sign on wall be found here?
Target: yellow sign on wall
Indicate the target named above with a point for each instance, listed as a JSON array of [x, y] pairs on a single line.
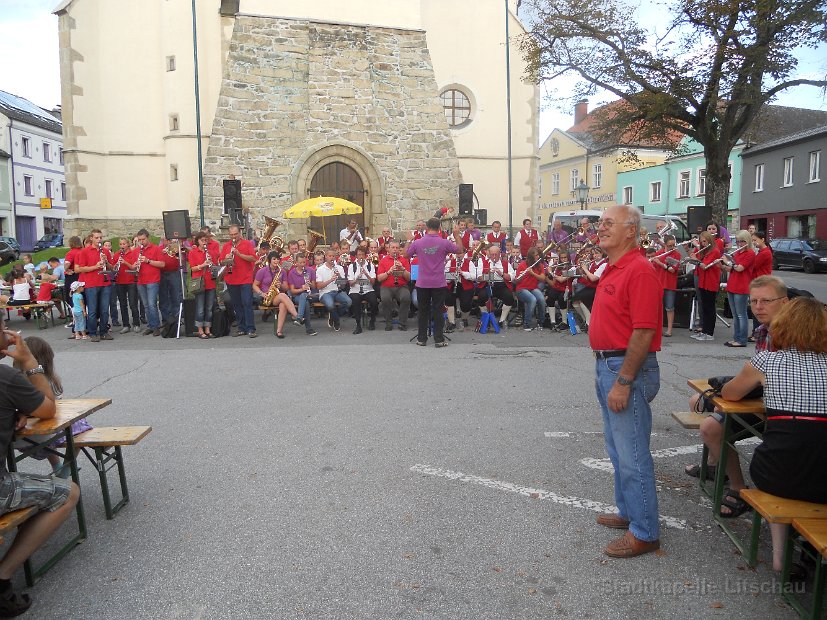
[[45, 203]]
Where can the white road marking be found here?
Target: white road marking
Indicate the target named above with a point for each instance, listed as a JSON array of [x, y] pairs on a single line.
[[559, 434], [567, 500], [606, 464]]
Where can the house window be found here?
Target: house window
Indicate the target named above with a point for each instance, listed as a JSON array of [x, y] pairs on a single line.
[[456, 106], [801, 227], [597, 175], [173, 122], [173, 172], [759, 178], [627, 195], [788, 171], [48, 188], [27, 186], [62, 191], [27, 147], [573, 179], [683, 184], [654, 194], [555, 183], [60, 154], [815, 164], [701, 181], [170, 63], [47, 152]]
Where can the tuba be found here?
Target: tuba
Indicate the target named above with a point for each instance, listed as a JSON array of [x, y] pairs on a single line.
[[314, 239], [268, 237]]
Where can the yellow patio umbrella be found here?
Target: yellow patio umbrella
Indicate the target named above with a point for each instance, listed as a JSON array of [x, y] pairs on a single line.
[[322, 206]]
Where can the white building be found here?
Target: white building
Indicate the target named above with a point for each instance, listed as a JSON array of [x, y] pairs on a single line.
[[392, 103], [33, 137]]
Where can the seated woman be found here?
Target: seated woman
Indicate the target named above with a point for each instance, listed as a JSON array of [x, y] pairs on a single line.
[[22, 288], [529, 275], [791, 461], [266, 278]]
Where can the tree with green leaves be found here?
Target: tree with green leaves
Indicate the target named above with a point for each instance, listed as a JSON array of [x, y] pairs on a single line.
[[706, 74]]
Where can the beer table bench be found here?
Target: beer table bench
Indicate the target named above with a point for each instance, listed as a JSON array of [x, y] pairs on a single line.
[[38, 309], [39, 433], [814, 531], [732, 411]]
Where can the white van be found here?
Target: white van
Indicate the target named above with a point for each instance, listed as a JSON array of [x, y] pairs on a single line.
[[571, 221]]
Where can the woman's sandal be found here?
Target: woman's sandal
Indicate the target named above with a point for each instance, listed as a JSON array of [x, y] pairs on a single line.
[[732, 500], [695, 471], [13, 604], [279, 335]]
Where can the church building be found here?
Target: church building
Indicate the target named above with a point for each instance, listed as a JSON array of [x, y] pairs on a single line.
[[390, 104]]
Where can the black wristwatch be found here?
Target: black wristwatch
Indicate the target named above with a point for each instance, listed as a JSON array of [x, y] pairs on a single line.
[[624, 381]]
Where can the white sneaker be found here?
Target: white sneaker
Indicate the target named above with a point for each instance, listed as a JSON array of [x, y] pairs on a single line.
[[698, 336], [707, 337]]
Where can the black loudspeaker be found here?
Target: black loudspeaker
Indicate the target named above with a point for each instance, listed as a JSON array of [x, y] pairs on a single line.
[[232, 195], [697, 218], [177, 224], [683, 308], [189, 318], [466, 198], [481, 217]]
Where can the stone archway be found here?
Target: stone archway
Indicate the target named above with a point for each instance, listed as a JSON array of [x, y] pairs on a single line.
[[313, 160]]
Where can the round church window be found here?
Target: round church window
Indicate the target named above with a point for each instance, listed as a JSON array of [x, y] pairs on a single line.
[[456, 106]]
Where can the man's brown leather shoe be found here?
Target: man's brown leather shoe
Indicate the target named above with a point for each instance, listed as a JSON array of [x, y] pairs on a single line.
[[627, 546], [616, 522]]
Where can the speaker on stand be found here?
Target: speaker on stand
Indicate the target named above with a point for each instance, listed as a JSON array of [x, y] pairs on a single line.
[[697, 218], [466, 198], [177, 226], [232, 201]]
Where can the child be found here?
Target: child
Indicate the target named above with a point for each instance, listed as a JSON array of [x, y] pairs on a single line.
[[28, 265], [45, 356], [79, 310]]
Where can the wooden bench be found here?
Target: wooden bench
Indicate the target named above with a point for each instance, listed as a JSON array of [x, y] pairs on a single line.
[[689, 419], [39, 310], [814, 532], [14, 519], [776, 509], [107, 441]]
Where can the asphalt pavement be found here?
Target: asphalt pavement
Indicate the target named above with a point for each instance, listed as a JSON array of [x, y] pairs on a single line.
[[343, 476]]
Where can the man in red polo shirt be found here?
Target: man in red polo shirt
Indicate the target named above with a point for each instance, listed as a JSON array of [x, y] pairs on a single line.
[[92, 261], [149, 263], [394, 273], [625, 334], [241, 254]]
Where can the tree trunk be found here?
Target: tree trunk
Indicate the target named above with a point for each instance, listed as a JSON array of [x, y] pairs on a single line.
[[718, 179]]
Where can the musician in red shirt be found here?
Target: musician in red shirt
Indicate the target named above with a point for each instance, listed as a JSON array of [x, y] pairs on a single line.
[[474, 282], [763, 258], [526, 238], [149, 263], [91, 263], [384, 241], [667, 263], [496, 236], [740, 268], [530, 273], [239, 255], [590, 269], [201, 258], [125, 286], [394, 273], [502, 277], [709, 283], [625, 336]]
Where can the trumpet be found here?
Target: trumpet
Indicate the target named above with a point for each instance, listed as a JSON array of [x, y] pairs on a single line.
[[172, 250]]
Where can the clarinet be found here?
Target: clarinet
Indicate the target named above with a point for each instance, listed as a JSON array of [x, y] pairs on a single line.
[[138, 262]]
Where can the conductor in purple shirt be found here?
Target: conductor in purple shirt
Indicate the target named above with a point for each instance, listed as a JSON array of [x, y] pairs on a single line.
[[431, 251]]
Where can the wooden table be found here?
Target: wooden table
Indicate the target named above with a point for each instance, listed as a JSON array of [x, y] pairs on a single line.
[[39, 433], [731, 410]]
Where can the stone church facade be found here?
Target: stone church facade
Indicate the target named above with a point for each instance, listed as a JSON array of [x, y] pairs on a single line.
[[389, 105]]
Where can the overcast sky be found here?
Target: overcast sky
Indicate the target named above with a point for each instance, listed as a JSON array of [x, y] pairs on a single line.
[[30, 67]]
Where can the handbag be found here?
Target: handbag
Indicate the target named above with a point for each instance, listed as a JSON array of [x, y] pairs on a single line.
[[717, 384], [196, 285]]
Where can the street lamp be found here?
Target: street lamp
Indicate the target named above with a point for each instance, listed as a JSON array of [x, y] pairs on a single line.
[[582, 192]]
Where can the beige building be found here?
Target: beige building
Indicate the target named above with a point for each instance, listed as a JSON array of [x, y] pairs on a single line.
[[567, 157], [390, 104]]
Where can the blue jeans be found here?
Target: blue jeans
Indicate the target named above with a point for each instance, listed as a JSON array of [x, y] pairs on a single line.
[[627, 436], [304, 309], [170, 295], [204, 303], [336, 298], [97, 309], [149, 298], [241, 296], [532, 299], [740, 322]]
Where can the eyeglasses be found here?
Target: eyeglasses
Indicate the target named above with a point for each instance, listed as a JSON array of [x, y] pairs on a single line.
[[764, 302], [740, 241]]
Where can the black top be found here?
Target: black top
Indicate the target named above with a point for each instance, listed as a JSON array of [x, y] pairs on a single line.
[[17, 395]]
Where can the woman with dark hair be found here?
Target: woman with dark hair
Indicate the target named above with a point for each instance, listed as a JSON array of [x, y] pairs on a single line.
[[740, 271], [713, 229], [791, 461], [200, 258], [709, 283], [22, 289]]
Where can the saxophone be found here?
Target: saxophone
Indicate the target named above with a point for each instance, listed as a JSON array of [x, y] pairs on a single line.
[[273, 291]]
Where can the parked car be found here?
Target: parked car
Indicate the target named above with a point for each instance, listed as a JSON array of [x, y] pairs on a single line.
[[7, 253], [807, 254], [48, 241], [12, 243]]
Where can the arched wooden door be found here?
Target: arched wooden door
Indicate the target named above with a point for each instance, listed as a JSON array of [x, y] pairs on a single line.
[[337, 180]]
